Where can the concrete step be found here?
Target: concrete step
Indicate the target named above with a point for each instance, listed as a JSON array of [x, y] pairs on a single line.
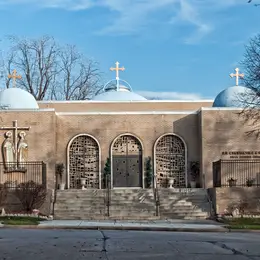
[[81, 201], [132, 209], [184, 216], [131, 204], [132, 213], [79, 197], [78, 217], [131, 200], [79, 208], [112, 208], [176, 197], [182, 211], [186, 205]]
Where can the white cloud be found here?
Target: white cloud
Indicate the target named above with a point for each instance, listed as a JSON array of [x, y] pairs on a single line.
[[131, 16], [189, 13], [170, 95]]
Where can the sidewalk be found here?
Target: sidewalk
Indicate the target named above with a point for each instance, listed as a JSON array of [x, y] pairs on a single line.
[[156, 225]]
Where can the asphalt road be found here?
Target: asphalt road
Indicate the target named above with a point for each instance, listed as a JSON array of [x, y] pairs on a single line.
[[120, 245]]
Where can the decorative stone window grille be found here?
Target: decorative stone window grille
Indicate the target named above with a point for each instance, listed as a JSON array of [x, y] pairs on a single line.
[[84, 162], [170, 159]]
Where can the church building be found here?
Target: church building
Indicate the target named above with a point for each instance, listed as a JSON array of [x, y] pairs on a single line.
[[157, 145]]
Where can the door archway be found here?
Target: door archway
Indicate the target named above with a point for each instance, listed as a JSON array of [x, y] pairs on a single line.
[[83, 161], [170, 153], [126, 162]]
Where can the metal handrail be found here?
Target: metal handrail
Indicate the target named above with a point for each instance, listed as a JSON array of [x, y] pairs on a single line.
[[212, 211], [156, 196], [108, 193]]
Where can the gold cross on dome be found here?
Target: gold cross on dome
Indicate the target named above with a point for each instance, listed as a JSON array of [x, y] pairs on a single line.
[[14, 76], [117, 69], [237, 75]]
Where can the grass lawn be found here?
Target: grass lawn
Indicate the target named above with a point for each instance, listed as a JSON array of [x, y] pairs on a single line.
[[15, 220], [243, 223]]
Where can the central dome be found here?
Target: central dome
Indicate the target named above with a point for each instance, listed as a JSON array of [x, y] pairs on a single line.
[[16, 98], [117, 90]]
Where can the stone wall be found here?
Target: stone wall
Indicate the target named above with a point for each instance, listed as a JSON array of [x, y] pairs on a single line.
[[105, 128], [222, 130], [110, 106], [227, 199], [41, 139]]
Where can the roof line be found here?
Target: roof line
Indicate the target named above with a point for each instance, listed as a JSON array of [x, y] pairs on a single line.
[[28, 110], [220, 108], [130, 113], [134, 101]]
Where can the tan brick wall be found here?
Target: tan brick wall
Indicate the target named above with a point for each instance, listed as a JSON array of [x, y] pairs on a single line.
[[105, 128], [228, 198], [71, 106], [41, 138], [223, 131]]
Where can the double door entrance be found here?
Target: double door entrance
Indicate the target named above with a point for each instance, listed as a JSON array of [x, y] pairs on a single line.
[[127, 162], [127, 171]]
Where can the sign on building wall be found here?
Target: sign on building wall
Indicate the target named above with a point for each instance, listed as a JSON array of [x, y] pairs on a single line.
[[240, 154]]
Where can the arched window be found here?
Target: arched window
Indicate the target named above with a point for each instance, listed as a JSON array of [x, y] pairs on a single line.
[[83, 162], [170, 160]]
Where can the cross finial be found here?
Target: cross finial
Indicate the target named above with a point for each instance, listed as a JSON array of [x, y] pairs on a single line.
[[237, 75], [117, 69], [14, 76]]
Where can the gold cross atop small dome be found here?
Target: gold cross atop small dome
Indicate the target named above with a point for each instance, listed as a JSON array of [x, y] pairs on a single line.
[[236, 96], [16, 98], [237, 75], [117, 89], [117, 69], [14, 76]]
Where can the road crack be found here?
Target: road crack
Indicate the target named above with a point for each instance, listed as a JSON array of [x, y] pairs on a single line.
[[104, 246], [233, 250]]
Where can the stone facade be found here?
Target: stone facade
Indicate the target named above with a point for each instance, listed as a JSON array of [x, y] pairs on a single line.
[[229, 200], [222, 131], [41, 137], [109, 106], [106, 128], [206, 132]]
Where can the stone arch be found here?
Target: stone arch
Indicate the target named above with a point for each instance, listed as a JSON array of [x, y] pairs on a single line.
[[127, 161], [170, 160], [83, 161]]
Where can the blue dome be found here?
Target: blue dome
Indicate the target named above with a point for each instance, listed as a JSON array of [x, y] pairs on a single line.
[[117, 90], [16, 98], [237, 96]]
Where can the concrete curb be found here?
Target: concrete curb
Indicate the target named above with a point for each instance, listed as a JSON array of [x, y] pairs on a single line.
[[128, 228], [243, 230]]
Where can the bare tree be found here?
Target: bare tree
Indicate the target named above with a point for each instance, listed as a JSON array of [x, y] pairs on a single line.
[[251, 99], [250, 1], [50, 71], [78, 78], [31, 195], [36, 60], [3, 194]]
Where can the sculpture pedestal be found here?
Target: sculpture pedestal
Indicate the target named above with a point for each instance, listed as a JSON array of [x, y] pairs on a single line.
[[83, 183]]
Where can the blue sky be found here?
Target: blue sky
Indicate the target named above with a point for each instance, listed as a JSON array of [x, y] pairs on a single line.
[[182, 49]]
